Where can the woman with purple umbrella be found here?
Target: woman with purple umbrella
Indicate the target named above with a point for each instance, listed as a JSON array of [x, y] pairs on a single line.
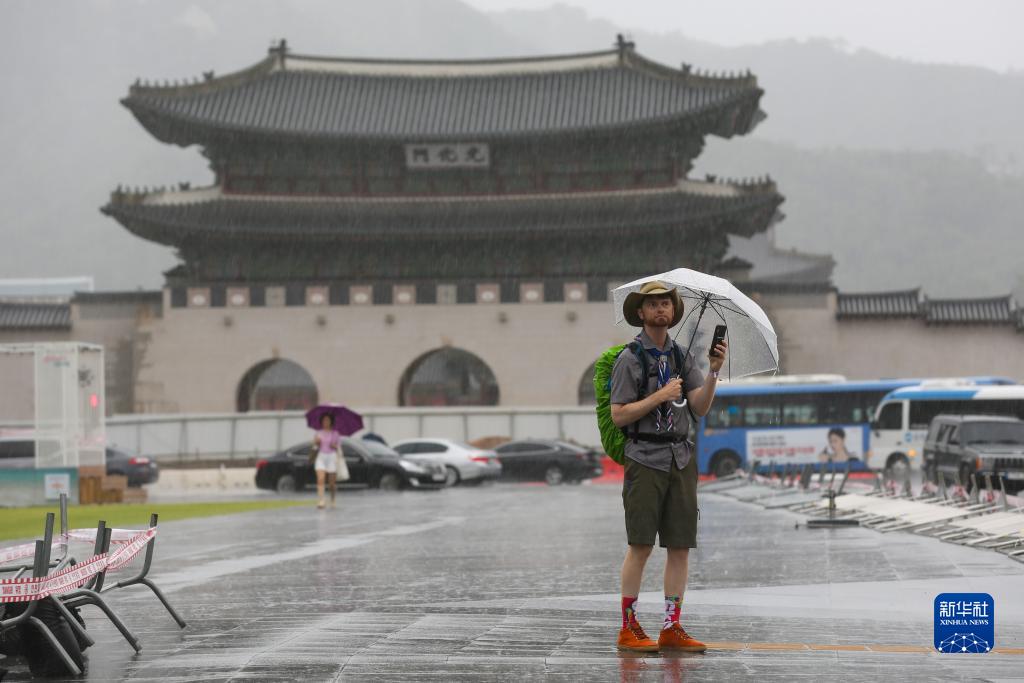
[[331, 422], [327, 446]]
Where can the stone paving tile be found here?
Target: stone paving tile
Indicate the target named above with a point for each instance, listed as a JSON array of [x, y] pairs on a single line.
[[507, 582]]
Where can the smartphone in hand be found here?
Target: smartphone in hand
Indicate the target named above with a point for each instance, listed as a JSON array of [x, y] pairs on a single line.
[[717, 339]]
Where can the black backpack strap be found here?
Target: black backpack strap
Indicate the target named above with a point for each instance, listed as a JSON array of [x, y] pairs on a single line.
[[641, 390], [641, 355]]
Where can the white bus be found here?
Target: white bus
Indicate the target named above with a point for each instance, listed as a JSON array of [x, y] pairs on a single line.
[[902, 418]]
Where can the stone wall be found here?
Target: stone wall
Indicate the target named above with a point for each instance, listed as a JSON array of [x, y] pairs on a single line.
[[191, 359], [812, 340]]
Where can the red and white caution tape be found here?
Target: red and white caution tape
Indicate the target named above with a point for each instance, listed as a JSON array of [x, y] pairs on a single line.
[[19, 552], [70, 578], [116, 535]]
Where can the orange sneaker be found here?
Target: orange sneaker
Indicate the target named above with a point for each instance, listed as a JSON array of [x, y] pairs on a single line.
[[676, 638], [634, 639]]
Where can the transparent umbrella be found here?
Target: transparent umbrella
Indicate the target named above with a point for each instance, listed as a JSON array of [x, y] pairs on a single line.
[[711, 301]]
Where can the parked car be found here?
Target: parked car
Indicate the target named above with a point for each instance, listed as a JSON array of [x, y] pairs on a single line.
[[462, 462], [974, 445], [550, 461], [370, 464], [139, 470], [17, 454], [21, 454]]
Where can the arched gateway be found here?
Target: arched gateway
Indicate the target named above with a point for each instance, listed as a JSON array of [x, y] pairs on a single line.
[[276, 384], [448, 377]]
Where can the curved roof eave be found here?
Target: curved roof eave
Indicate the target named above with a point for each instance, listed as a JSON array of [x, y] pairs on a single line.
[[167, 127], [749, 206]]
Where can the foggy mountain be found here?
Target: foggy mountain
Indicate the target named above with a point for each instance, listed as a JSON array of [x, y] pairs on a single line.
[[68, 142], [892, 220], [819, 94]]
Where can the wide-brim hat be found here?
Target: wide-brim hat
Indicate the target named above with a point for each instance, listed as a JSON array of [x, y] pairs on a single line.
[[636, 299]]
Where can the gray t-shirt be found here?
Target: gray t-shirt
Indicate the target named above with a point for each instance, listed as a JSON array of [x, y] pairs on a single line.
[[626, 379]]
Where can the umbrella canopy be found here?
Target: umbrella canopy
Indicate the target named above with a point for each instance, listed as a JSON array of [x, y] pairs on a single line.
[[346, 422], [711, 301]]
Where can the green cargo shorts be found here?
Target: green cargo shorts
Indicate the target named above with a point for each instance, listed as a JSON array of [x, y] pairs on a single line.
[[661, 503]]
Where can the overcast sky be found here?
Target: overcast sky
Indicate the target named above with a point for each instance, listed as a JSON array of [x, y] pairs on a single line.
[[986, 33]]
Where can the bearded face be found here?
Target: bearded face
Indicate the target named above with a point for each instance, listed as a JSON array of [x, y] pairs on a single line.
[[657, 311]]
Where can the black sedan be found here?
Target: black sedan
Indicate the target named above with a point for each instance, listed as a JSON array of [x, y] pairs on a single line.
[[21, 454], [553, 462], [138, 469], [370, 465]]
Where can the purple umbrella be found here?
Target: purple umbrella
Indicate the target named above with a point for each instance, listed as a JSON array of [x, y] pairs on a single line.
[[346, 422]]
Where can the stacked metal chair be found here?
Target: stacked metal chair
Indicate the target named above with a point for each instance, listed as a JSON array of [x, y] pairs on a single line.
[[67, 603]]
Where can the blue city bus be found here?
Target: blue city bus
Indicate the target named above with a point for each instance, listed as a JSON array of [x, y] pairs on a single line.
[[823, 424]]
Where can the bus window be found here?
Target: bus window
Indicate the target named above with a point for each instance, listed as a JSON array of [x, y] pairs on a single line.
[[725, 413], [922, 412], [840, 408], [1009, 408], [802, 409], [760, 411], [871, 401], [891, 416]]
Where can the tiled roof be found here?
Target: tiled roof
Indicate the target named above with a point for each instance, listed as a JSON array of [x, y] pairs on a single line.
[[1000, 310], [902, 304], [421, 101], [995, 310], [781, 287], [118, 297], [34, 316], [739, 208]]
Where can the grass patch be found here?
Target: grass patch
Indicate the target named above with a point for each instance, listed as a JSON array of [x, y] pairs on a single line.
[[28, 522]]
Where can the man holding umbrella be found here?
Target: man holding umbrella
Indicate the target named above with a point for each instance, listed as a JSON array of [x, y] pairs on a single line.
[[659, 491]]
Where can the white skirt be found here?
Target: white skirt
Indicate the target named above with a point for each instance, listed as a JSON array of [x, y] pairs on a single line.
[[332, 464], [327, 462]]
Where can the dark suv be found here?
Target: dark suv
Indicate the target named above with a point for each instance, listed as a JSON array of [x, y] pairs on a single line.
[[973, 445]]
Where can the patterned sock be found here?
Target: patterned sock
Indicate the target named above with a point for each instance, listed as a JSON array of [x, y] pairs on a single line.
[[673, 606], [628, 611]]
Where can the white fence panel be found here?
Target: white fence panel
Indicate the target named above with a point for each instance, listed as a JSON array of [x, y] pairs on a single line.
[[249, 435], [539, 425], [210, 436], [581, 427], [258, 435], [444, 426], [482, 425], [394, 427], [160, 438], [293, 431]]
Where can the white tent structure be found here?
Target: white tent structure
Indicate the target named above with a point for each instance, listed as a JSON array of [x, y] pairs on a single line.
[[53, 394]]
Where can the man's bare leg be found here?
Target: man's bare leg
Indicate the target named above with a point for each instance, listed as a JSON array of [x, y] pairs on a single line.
[[633, 569], [677, 567]]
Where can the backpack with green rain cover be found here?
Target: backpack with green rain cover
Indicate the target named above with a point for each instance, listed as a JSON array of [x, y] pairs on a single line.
[[613, 438]]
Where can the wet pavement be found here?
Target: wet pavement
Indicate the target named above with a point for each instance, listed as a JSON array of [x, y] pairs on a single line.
[[504, 581]]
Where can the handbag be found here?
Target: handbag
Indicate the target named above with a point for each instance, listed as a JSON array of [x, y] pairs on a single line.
[[343, 474]]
